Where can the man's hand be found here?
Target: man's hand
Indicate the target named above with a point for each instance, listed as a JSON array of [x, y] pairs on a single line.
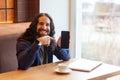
[[45, 40], [59, 42]]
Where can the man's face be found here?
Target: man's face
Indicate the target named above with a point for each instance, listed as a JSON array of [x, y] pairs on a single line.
[[43, 26]]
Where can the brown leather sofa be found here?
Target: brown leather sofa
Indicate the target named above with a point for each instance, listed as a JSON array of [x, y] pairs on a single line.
[[8, 35]]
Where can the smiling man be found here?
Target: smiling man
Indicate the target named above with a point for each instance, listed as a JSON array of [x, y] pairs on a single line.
[[37, 45]]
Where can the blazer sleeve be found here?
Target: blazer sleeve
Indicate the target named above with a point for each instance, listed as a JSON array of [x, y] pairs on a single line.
[[62, 54], [26, 53]]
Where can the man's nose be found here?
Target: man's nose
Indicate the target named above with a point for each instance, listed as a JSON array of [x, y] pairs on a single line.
[[44, 27]]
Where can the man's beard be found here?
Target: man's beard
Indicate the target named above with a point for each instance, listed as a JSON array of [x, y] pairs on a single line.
[[43, 32]]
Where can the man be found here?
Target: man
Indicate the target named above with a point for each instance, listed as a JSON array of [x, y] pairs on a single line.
[[36, 46]]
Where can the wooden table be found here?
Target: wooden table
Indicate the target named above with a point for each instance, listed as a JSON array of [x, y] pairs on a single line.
[[47, 72]]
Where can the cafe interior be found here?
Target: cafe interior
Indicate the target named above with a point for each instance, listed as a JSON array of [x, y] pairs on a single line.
[[93, 24]]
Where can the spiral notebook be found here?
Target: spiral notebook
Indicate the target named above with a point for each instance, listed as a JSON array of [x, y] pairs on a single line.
[[84, 65]]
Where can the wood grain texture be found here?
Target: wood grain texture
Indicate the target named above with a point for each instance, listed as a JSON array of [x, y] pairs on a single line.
[[47, 72]]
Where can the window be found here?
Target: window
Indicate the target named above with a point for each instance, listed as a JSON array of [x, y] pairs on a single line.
[[102, 14], [98, 27]]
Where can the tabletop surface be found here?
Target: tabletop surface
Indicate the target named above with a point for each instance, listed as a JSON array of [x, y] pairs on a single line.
[[47, 72]]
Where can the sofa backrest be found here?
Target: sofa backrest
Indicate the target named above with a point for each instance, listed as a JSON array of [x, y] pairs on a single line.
[[8, 38]]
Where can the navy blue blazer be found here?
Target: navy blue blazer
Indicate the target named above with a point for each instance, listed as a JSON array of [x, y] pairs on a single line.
[[29, 54]]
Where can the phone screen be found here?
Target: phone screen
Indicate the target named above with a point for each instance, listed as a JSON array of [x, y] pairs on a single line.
[[65, 35]]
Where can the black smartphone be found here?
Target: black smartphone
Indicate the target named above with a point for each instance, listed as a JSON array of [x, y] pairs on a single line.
[[65, 36]]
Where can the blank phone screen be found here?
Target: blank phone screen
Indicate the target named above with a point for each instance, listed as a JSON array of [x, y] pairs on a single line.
[[65, 35]]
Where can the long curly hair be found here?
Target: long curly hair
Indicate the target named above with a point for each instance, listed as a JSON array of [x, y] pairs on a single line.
[[31, 33]]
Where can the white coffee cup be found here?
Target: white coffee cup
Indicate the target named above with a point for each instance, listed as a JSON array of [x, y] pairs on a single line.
[[62, 67]]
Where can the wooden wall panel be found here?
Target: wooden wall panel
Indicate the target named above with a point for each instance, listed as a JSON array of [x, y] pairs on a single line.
[[2, 16], [18, 10], [10, 16], [6, 11], [2, 3], [21, 7], [34, 9], [26, 10], [10, 3]]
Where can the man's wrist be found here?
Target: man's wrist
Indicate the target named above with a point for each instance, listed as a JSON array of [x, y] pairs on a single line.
[[40, 43], [58, 47]]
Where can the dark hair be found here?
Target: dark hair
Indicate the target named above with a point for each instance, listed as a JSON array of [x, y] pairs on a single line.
[[31, 33]]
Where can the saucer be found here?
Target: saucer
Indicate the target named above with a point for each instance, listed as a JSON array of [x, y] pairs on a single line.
[[65, 71]]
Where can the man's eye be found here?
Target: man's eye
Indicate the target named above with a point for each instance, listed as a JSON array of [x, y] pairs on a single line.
[[41, 23], [47, 24]]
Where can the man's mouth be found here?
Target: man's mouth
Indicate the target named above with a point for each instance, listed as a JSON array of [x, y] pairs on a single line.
[[43, 32]]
